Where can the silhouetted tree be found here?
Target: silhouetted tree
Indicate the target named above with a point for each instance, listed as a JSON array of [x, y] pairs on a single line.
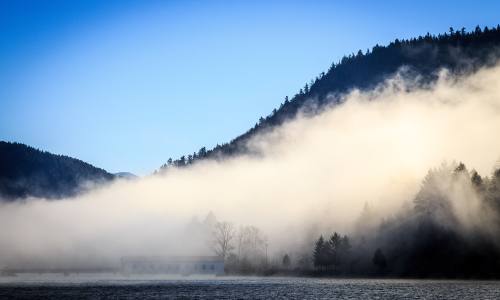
[[319, 253], [333, 250], [476, 178], [379, 260], [202, 152], [344, 250], [286, 261]]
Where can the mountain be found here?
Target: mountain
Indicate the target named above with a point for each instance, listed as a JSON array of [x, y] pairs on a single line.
[[29, 172], [458, 51], [125, 175]]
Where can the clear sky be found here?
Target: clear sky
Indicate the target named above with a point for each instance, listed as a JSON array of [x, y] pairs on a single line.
[[125, 85]]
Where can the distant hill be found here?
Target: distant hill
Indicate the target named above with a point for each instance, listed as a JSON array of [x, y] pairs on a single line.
[[459, 51], [29, 172], [125, 175]]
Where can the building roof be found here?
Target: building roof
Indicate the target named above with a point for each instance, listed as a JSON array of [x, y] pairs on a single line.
[[171, 259]]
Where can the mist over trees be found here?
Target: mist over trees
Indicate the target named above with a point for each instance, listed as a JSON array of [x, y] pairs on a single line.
[[244, 248], [451, 226], [449, 229], [460, 51]]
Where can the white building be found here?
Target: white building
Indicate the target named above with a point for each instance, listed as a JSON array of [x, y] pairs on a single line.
[[184, 265]]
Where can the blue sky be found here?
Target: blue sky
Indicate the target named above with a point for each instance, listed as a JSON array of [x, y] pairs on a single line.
[[125, 85]]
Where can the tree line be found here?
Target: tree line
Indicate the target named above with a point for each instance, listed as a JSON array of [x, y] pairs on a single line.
[[331, 254], [449, 229]]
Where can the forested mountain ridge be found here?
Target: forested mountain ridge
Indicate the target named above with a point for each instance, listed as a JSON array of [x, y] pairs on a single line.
[[458, 51], [29, 172]]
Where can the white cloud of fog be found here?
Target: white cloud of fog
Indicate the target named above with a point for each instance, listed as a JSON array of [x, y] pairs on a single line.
[[315, 173]]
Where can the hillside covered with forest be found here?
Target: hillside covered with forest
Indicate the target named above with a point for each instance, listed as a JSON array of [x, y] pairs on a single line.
[[459, 51], [29, 172]]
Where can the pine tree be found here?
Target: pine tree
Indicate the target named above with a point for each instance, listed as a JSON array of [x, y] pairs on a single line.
[[379, 259], [286, 261], [333, 250], [318, 252]]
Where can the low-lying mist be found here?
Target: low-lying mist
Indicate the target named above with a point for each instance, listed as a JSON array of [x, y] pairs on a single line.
[[313, 175]]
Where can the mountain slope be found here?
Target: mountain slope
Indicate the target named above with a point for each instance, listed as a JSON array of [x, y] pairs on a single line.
[[458, 51], [29, 172]]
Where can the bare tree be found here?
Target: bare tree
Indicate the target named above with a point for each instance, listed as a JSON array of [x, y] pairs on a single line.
[[251, 242], [222, 237], [241, 240]]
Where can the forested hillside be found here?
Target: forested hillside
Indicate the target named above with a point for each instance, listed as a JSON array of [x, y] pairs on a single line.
[[458, 51], [29, 172]]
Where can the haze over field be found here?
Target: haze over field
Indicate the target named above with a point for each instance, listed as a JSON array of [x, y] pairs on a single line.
[[311, 175]]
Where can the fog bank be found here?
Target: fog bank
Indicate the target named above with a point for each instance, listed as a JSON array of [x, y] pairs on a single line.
[[315, 173]]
